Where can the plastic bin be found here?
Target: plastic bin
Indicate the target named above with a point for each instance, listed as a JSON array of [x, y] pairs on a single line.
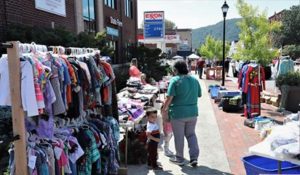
[[256, 165], [214, 91]]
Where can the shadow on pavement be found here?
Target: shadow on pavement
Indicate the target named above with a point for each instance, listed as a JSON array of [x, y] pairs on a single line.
[[202, 170], [164, 172]]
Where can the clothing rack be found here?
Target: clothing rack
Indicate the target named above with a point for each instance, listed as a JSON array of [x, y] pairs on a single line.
[[18, 120], [14, 49]]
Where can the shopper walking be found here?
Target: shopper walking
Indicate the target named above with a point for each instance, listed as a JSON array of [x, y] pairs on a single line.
[[182, 108], [200, 66]]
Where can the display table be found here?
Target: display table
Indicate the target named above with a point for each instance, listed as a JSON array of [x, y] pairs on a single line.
[[132, 102], [263, 149], [214, 73]]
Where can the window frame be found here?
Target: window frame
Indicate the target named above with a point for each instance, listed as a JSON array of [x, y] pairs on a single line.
[[111, 4], [88, 18], [128, 5]]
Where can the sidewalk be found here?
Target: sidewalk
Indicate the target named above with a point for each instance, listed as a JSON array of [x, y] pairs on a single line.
[[236, 137], [213, 159]]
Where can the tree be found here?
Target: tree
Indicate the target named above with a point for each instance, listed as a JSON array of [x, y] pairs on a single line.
[[255, 43], [103, 44], [292, 50], [291, 26], [149, 62], [169, 24], [213, 48]]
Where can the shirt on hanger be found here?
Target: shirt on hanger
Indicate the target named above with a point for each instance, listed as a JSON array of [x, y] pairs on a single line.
[[29, 101]]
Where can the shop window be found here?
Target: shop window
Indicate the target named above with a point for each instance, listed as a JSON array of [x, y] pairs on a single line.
[[128, 51], [113, 45], [111, 3], [128, 8], [88, 11]]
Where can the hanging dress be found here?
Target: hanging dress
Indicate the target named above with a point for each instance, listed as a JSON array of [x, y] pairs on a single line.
[[252, 88]]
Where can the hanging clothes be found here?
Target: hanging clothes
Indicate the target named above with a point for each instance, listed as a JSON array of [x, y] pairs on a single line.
[[56, 89], [286, 65], [253, 84], [29, 101]]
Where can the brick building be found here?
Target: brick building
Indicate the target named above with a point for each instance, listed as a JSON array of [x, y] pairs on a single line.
[[117, 17], [276, 16]]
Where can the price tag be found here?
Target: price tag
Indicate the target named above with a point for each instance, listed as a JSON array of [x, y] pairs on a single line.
[[57, 152], [31, 162]]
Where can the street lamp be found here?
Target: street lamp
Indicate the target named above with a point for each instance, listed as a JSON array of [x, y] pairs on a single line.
[[224, 8]]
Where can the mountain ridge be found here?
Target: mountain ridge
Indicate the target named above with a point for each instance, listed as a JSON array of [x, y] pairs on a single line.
[[216, 30]]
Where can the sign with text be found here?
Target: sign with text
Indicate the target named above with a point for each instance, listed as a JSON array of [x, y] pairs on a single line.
[[154, 25], [57, 7], [112, 31], [116, 22]]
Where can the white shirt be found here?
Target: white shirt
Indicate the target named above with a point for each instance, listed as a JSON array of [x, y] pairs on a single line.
[[28, 96], [152, 127]]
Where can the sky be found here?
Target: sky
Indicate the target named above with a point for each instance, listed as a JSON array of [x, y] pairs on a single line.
[[199, 13]]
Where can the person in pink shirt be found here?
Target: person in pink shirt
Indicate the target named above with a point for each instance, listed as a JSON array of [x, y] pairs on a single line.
[[133, 70]]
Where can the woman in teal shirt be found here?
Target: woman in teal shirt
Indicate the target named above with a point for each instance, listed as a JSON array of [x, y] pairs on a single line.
[[182, 108]]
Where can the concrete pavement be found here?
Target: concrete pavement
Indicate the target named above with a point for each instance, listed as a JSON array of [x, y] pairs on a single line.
[[212, 160]]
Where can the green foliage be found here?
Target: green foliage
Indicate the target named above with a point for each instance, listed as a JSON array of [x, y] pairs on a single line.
[[255, 43], [169, 24], [292, 50], [84, 39], [216, 31], [291, 26], [291, 79], [149, 62], [58, 36], [40, 35], [102, 42], [124, 76], [213, 48]]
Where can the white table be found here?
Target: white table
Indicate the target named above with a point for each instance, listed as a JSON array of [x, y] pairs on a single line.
[[263, 149]]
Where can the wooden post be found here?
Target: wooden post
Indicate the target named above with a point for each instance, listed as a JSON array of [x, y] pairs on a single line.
[[17, 110]]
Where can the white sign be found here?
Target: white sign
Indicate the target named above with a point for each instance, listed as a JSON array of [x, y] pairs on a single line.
[[172, 38], [57, 7], [153, 16], [116, 21]]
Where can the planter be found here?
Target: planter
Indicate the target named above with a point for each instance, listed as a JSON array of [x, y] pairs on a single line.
[[268, 72], [290, 98]]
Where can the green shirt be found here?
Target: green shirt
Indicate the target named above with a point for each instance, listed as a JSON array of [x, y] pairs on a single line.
[[185, 90]]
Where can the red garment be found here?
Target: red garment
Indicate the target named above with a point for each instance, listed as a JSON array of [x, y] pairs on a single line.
[[253, 89], [109, 72], [72, 76], [134, 72], [200, 63]]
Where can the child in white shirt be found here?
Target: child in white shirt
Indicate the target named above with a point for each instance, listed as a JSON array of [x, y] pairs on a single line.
[[153, 136]]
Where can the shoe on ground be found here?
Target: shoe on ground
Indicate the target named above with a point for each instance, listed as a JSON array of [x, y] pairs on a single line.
[[176, 161], [169, 153], [194, 163], [157, 168]]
